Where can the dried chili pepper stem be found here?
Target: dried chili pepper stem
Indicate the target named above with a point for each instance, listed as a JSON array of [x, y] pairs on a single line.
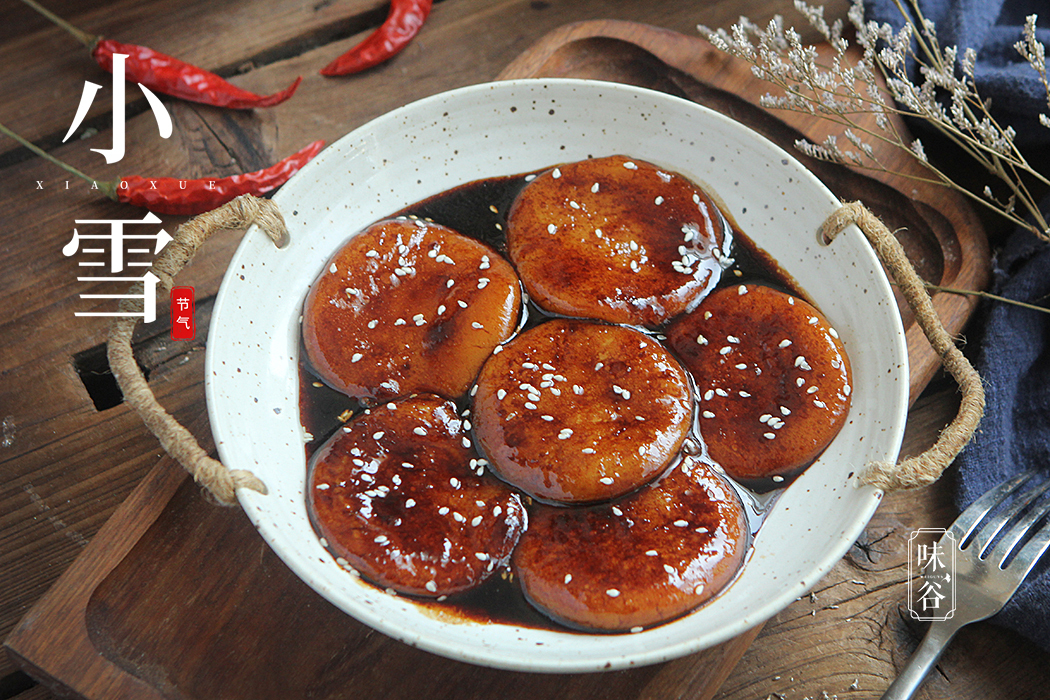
[[167, 74], [107, 188], [89, 40]]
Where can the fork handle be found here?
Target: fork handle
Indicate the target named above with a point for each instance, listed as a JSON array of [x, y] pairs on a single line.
[[920, 663]]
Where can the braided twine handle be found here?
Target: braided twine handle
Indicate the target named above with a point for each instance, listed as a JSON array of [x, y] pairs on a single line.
[[927, 467], [240, 213]]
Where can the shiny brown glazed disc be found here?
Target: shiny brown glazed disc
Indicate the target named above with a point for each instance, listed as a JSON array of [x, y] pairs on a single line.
[[576, 411], [408, 306], [772, 377], [393, 494], [615, 239], [645, 559]]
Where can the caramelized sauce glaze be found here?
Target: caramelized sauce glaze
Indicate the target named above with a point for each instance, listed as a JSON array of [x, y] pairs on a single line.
[[480, 210]]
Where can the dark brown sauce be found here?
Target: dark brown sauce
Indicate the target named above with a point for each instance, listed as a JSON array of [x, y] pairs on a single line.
[[478, 209]]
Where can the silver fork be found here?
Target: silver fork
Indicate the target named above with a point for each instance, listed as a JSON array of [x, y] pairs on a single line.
[[982, 583]]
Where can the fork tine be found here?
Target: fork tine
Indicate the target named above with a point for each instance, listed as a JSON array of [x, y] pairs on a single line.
[[1023, 527], [1030, 554], [992, 527], [967, 522]]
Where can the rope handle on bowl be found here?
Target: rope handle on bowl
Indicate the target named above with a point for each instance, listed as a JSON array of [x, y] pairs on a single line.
[[178, 442], [923, 469]]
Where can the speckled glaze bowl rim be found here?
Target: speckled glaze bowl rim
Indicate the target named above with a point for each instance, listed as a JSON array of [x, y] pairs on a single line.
[[511, 127]]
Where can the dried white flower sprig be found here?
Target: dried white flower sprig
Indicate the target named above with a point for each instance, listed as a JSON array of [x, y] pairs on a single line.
[[841, 88]]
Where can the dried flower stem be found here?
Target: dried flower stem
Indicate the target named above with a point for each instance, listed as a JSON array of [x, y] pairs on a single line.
[[986, 295], [946, 98]]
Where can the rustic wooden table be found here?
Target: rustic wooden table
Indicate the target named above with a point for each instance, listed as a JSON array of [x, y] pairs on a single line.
[[71, 453]]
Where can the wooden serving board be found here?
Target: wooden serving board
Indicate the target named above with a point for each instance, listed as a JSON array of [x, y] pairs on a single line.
[[176, 597]]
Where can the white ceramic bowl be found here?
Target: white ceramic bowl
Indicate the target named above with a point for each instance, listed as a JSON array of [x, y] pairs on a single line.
[[512, 127]]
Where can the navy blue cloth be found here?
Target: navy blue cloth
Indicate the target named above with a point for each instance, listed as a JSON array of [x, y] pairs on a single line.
[[1014, 435], [1014, 342], [991, 28]]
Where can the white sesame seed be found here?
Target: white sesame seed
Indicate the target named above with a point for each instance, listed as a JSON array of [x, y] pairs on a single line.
[[612, 593], [590, 451], [500, 394], [419, 430], [630, 165], [701, 340], [565, 434], [819, 404], [669, 569], [568, 578], [547, 417], [381, 539], [708, 414], [681, 523], [800, 381], [606, 480], [466, 443], [551, 228], [481, 556], [529, 405], [496, 511], [556, 173], [399, 322], [784, 410], [721, 392], [458, 517], [764, 418], [777, 478], [476, 521], [408, 465], [699, 589], [431, 586], [477, 325], [332, 268], [740, 365], [651, 553], [725, 351], [573, 204], [594, 187], [744, 394], [616, 510], [811, 390], [732, 339], [741, 290], [356, 357], [410, 503], [449, 286], [768, 436], [372, 254], [658, 200], [483, 282], [378, 435], [813, 320], [834, 333], [709, 394]]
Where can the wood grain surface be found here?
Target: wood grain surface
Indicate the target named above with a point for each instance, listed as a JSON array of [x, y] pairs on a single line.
[[67, 465]]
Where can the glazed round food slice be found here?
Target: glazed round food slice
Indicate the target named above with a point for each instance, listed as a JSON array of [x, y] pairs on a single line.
[[574, 411], [639, 561], [394, 495], [772, 377], [616, 239], [408, 306]]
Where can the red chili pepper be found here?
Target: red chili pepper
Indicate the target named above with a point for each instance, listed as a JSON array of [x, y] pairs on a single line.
[[177, 78], [404, 22], [169, 195], [166, 74]]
